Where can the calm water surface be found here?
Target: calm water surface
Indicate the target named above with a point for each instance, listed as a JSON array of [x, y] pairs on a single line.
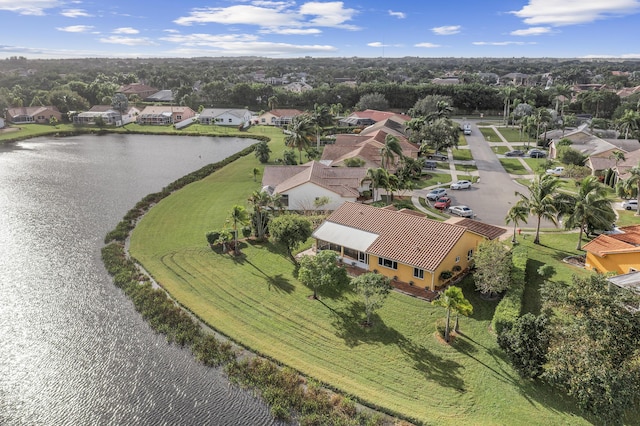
[[73, 351]]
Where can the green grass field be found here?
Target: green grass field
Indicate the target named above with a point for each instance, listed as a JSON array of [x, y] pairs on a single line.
[[513, 166], [398, 364], [511, 134], [462, 154]]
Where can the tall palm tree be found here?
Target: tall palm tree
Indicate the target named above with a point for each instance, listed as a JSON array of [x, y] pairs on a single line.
[[389, 150], [443, 110], [632, 180], [272, 102], [590, 206], [238, 216], [378, 178], [301, 131], [452, 299], [321, 117], [542, 201], [543, 118], [629, 122], [507, 93], [518, 213], [564, 90]]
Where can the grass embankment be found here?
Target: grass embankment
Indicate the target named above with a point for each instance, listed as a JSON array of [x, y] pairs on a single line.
[[397, 364], [514, 166]]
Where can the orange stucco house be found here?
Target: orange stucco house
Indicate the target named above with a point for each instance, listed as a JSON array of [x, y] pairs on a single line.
[[400, 244], [619, 253]]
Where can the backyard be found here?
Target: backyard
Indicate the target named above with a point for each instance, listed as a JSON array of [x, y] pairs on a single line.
[[398, 364]]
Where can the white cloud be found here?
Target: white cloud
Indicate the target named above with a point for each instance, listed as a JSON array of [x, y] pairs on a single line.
[[75, 13], [376, 44], [35, 7], [572, 12], [625, 56], [76, 28], [291, 31], [399, 15], [274, 15], [447, 30], [533, 31], [125, 30], [127, 41], [427, 45], [502, 43]]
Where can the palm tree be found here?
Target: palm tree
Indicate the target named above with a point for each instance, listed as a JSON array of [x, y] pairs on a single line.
[[237, 216], [320, 118], [517, 213], [439, 134], [543, 118], [272, 102], [590, 206], [564, 90], [300, 132], [378, 178], [507, 93], [632, 180], [262, 152], [443, 110], [629, 122], [389, 150], [452, 299], [617, 156], [542, 201]]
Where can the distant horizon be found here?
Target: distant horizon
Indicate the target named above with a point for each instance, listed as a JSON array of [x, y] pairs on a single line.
[[286, 29]]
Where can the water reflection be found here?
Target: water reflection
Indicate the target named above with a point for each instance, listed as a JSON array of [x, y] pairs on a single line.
[[73, 349]]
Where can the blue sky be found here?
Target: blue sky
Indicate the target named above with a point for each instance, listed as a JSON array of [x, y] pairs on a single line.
[[285, 29]]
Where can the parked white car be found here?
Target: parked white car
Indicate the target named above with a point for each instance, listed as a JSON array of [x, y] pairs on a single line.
[[462, 211], [461, 184], [557, 171], [630, 205]]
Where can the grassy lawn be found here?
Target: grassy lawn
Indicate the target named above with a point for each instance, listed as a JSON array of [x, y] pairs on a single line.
[[430, 179], [489, 134], [513, 166], [462, 154], [466, 167], [511, 134], [397, 364], [627, 218], [500, 149], [462, 140], [535, 163]]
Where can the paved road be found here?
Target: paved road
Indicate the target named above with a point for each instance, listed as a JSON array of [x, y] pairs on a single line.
[[494, 194]]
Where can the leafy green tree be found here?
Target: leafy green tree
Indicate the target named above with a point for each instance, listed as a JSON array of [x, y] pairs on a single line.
[[375, 101], [428, 105], [594, 349], [526, 344], [452, 299], [289, 157], [571, 156], [542, 201], [263, 207], [492, 262], [322, 271], [442, 133], [262, 152], [238, 216], [300, 133], [374, 289], [590, 207], [518, 213], [290, 230]]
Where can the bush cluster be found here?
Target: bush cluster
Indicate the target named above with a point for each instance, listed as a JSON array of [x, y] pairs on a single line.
[[509, 308]]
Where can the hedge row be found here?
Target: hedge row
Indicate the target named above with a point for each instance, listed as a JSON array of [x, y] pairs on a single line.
[[509, 308]]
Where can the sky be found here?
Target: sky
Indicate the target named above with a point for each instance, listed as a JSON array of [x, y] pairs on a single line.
[[291, 29]]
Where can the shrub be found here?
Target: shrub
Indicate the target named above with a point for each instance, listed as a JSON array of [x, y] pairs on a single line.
[[445, 275], [212, 237], [509, 308], [246, 231]]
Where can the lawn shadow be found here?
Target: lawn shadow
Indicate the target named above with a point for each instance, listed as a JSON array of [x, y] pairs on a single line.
[[531, 299], [277, 282], [348, 321]]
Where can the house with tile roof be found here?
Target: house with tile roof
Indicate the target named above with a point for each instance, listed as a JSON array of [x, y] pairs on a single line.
[[617, 252], [139, 89], [278, 117], [301, 186], [109, 116], [165, 115], [369, 117], [367, 144], [34, 114], [401, 245], [225, 116]]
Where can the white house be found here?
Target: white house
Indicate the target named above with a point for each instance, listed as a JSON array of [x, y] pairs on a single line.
[[225, 116], [109, 116], [301, 186]]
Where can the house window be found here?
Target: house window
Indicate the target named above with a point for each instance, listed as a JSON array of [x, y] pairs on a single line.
[[262, 120], [418, 273], [387, 263], [632, 270], [178, 117], [231, 120], [469, 254], [457, 259], [284, 199], [363, 257]]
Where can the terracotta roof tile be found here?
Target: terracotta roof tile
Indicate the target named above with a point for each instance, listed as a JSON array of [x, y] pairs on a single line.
[[604, 244], [489, 231], [403, 237]]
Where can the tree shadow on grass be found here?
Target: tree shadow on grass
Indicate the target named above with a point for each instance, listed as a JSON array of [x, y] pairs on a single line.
[[277, 282], [348, 321]]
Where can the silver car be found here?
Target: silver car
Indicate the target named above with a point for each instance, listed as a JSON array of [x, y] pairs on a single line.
[[462, 211]]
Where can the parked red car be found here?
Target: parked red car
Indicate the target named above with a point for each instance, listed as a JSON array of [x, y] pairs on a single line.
[[442, 203]]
